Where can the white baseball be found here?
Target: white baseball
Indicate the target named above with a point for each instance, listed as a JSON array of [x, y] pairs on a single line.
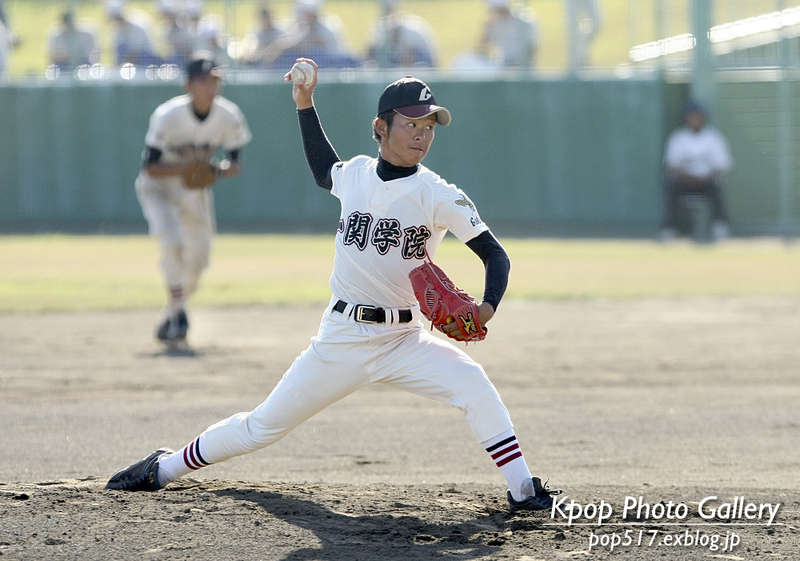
[[303, 72]]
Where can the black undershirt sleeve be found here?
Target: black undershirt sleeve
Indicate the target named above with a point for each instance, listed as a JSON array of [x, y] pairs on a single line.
[[153, 155], [320, 154], [497, 264], [150, 156]]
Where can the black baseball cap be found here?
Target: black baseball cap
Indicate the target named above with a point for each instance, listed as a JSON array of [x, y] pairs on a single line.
[[413, 99], [202, 65]]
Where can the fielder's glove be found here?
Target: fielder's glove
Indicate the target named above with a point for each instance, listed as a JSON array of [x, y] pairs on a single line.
[[199, 174], [442, 302]]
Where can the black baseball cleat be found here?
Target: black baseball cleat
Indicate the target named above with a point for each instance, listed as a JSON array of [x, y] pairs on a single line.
[[162, 331], [174, 328], [179, 327], [141, 476], [540, 499]]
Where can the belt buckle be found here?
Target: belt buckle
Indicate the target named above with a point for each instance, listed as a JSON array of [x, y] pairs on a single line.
[[360, 314]]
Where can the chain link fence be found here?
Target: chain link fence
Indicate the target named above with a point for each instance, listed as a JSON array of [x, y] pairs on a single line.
[[94, 40]]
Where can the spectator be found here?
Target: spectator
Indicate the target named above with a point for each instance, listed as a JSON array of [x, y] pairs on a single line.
[[267, 31], [583, 21], [13, 39], [510, 35], [8, 39], [130, 38], [258, 41], [194, 12], [71, 45], [313, 36], [695, 156], [5, 46], [400, 40], [179, 41], [210, 39]]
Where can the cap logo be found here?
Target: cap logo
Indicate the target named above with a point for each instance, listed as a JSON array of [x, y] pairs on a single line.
[[425, 94]]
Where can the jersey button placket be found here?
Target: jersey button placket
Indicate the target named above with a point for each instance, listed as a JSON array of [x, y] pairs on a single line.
[[377, 202]]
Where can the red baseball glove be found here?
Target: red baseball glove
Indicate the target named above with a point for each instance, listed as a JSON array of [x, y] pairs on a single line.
[[443, 302]]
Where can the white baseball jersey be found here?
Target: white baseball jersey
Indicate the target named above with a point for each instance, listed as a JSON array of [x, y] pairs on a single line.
[[181, 136], [700, 153], [386, 228], [184, 218]]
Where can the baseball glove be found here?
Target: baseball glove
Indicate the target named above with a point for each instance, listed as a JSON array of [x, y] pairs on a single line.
[[199, 174], [442, 302]]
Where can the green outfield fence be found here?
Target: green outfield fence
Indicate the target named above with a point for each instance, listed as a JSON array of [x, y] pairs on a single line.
[[556, 148]]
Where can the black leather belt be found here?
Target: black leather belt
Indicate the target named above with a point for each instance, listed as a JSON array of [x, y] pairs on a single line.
[[371, 314]]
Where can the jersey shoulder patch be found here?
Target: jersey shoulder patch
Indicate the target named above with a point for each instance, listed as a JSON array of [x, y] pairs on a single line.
[[463, 200]]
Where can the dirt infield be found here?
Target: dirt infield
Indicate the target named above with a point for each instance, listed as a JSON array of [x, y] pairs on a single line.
[[690, 405]]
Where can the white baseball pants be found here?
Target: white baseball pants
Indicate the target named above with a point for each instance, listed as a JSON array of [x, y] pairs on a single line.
[[183, 221], [345, 356]]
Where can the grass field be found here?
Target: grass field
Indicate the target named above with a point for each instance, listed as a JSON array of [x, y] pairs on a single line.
[[60, 273], [456, 23]]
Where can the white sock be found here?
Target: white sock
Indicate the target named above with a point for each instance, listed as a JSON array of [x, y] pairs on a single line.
[[177, 299], [505, 451], [179, 464]]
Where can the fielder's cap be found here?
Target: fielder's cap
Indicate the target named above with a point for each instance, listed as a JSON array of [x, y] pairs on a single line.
[[413, 99], [202, 65], [693, 106]]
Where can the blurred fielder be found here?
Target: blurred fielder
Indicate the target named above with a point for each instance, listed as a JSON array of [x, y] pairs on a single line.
[[173, 186]]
